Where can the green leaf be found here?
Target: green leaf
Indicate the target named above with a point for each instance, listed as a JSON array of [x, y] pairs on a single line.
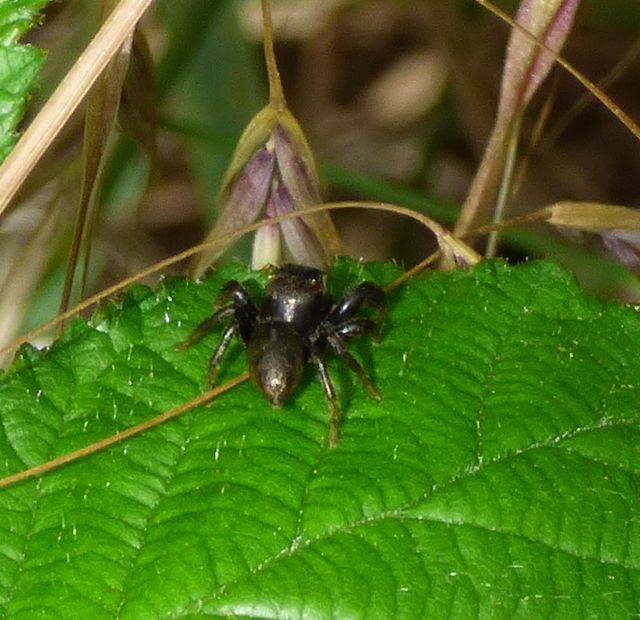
[[19, 66], [498, 478]]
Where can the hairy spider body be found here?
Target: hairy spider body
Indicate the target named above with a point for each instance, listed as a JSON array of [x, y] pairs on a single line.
[[297, 322]]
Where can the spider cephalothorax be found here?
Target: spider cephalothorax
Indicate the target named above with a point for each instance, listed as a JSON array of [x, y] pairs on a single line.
[[297, 322]]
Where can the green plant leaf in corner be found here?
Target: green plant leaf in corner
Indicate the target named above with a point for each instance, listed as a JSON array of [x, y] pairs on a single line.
[[19, 66], [498, 478]]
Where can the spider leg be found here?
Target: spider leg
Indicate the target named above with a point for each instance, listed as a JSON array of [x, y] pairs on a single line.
[[241, 308], [357, 327], [234, 293], [206, 326], [365, 294], [245, 311], [242, 312], [220, 350], [337, 344], [330, 392]]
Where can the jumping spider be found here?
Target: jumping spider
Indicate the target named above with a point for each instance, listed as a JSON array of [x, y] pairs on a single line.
[[297, 322]]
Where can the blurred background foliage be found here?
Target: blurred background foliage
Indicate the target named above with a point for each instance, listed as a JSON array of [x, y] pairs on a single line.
[[397, 98]]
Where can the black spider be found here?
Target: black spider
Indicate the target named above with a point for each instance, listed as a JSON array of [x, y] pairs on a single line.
[[298, 321]]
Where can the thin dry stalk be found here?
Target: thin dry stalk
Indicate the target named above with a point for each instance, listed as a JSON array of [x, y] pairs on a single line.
[[444, 237], [107, 442], [66, 98], [597, 92]]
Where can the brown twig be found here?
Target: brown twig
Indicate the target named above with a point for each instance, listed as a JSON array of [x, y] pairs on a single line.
[[66, 98], [597, 92], [107, 442], [163, 264]]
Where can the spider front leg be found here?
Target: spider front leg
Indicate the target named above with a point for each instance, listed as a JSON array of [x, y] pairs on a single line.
[[319, 360], [243, 313], [342, 325], [202, 329], [336, 337], [220, 350], [363, 295]]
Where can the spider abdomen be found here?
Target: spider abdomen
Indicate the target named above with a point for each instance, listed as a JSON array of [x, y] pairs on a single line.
[[276, 359]]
